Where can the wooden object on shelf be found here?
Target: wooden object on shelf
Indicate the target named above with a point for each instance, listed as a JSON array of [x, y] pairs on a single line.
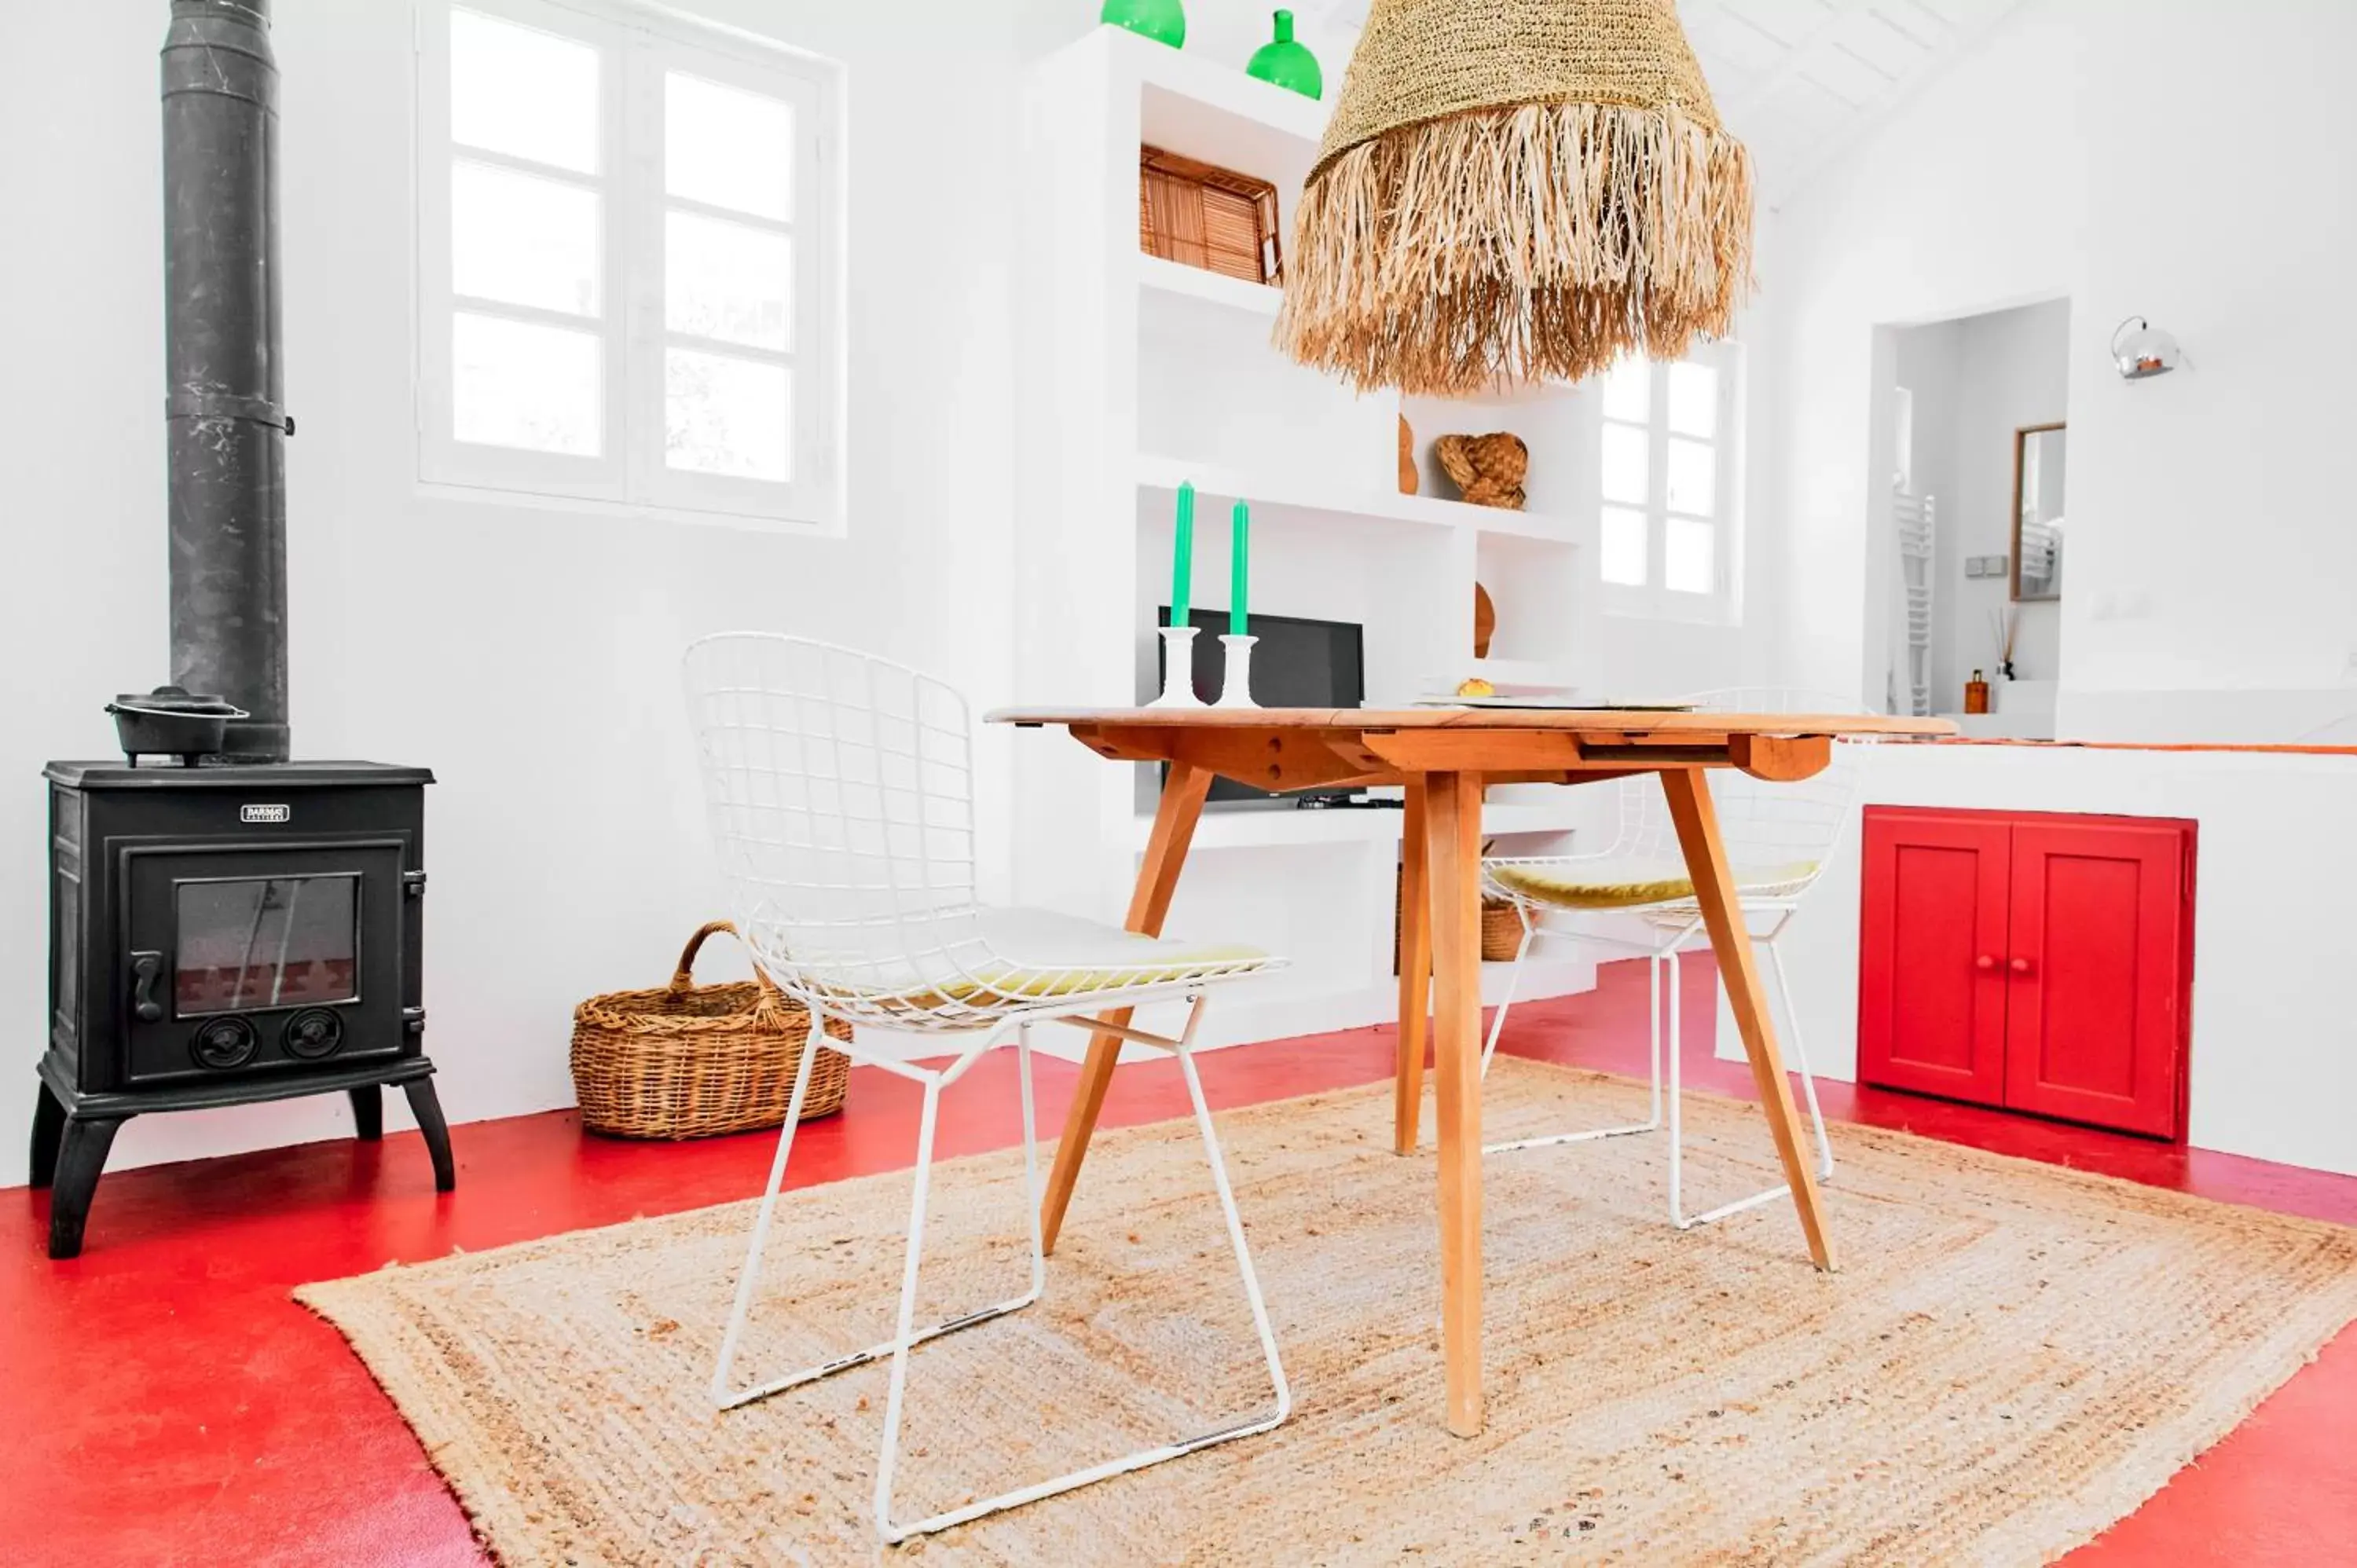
[[1501, 924], [1485, 621], [1201, 215], [1444, 758], [2034, 960], [1410, 481], [685, 1060], [1488, 470]]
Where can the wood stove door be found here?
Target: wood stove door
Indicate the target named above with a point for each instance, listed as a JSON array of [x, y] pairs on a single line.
[[238, 959]]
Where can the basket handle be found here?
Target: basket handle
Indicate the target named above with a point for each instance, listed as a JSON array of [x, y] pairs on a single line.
[[683, 977]]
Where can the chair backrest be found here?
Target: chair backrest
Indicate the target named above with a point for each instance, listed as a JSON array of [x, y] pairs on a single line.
[[841, 793], [1764, 826]]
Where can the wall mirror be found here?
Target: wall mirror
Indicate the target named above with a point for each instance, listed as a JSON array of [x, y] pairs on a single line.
[[2038, 467]]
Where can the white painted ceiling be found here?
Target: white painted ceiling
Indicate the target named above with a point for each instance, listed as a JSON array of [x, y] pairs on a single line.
[[1796, 80]]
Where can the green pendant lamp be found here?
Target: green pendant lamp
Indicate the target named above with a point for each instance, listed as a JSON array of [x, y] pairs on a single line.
[[1514, 191], [1165, 21], [1287, 64]]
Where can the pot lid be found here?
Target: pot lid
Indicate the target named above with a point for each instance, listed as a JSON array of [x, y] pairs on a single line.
[[177, 700]]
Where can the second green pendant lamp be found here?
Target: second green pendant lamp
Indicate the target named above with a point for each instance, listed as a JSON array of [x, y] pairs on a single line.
[[1287, 63]]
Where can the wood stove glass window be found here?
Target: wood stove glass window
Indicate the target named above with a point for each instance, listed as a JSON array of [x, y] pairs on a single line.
[[247, 943]]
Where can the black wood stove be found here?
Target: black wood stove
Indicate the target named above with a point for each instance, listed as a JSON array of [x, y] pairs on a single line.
[[222, 934], [226, 926]]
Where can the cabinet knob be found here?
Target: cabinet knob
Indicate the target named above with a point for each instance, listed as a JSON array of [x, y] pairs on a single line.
[[1984, 961], [2019, 966]]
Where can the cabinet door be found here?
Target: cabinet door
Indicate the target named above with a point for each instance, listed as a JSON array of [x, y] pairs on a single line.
[[1932, 978], [2097, 971]]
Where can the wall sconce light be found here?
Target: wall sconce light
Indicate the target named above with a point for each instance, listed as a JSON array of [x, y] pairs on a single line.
[[2141, 349]]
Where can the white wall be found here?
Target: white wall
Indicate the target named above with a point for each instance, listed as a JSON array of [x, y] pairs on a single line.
[[529, 656], [2273, 1055], [2210, 593]]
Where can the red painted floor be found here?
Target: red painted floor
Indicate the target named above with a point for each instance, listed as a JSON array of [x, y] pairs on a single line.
[[164, 1402]]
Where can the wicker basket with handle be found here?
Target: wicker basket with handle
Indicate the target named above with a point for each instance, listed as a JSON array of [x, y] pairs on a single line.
[[1502, 927], [685, 1060]]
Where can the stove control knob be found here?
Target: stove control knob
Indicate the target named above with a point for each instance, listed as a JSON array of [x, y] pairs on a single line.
[[223, 1043], [313, 1033]]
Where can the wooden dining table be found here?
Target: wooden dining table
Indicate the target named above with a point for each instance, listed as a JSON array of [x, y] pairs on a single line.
[[1445, 757]]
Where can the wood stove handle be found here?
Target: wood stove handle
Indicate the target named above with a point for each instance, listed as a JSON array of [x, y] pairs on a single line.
[[145, 968]]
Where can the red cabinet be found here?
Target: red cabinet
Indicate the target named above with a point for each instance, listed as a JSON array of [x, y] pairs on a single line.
[[2037, 961]]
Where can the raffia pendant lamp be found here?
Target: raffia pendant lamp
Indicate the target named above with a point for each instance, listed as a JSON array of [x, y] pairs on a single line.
[[1516, 190]]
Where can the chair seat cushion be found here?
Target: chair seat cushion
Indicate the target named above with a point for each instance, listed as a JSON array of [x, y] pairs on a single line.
[[975, 962], [1037, 953], [1606, 882]]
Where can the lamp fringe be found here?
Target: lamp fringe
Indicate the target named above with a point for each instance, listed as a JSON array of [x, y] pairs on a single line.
[[1542, 241]]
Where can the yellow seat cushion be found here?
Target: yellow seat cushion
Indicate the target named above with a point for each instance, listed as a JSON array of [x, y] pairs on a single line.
[[1606, 884], [996, 958]]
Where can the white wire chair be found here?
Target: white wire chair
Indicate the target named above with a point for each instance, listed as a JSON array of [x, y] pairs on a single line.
[[840, 789], [1635, 896]]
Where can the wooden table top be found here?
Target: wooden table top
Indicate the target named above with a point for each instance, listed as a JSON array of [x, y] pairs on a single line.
[[1600, 721]]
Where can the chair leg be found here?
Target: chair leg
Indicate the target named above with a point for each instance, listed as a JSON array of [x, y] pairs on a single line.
[[1800, 1058], [1808, 1087], [892, 1532], [1653, 1122], [1513, 980]]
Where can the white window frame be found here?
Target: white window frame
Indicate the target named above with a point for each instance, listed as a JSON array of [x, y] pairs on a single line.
[[638, 46], [1722, 605]]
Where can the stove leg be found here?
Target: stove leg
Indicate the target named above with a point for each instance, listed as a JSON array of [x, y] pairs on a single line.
[[428, 1107], [368, 1112], [48, 1129], [82, 1154]]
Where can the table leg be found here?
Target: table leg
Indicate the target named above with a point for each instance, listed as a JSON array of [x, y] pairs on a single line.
[[1415, 970], [1453, 850], [1696, 819], [1158, 878]]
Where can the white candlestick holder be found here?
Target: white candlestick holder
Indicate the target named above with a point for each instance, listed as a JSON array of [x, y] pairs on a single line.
[[1235, 686], [1177, 669]]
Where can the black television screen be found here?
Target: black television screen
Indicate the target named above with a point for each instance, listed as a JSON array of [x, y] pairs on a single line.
[[1297, 663]]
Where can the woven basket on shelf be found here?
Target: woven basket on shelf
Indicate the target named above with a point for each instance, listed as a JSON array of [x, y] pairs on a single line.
[[1501, 927], [685, 1060]]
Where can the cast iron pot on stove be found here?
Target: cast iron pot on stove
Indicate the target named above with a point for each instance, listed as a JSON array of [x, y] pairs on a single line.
[[172, 721]]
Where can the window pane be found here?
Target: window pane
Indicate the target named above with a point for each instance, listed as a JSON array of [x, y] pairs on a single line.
[[723, 280], [1694, 477], [1626, 456], [521, 91], [516, 383], [1693, 400], [727, 416], [523, 239], [1624, 546], [1629, 390], [727, 148], [1688, 562]]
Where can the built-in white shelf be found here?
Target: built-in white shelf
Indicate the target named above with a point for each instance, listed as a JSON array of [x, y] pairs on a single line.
[[1164, 474], [1140, 374], [1519, 677], [1178, 279]]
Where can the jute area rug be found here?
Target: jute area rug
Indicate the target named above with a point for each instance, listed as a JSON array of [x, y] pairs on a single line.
[[2013, 1356]]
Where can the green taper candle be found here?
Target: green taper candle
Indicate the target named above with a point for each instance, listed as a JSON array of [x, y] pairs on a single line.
[[1239, 567], [1182, 558]]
